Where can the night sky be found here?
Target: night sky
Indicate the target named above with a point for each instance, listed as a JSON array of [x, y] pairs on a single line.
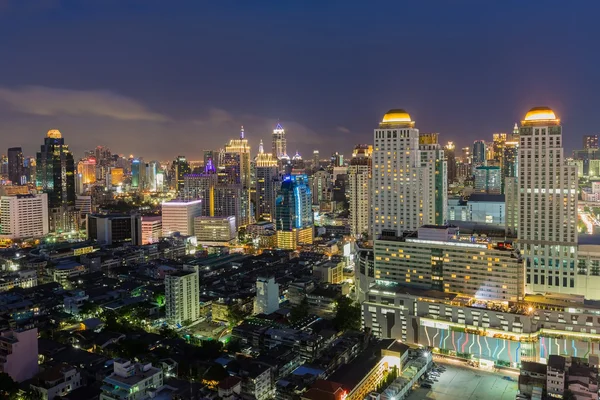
[[158, 78]]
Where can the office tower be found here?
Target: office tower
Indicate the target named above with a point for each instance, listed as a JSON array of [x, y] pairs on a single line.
[[202, 187], [435, 258], [83, 206], [29, 169], [267, 295], [19, 353], [479, 154], [511, 196], [316, 162], [111, 229], [510, 164], [116, 176], [182, 297], [102, 155], [55, 170], [279, 144], [180, 168], [151, 229], [320, 183], [590, 142], [297, 164], [135, 174], [337, 159], [210, 158], [237, 170], [449, 151], [359, 195], [178, 216], [228, 202], [547, 229], [267, 184], [24, 216], [215, 230], [4, 167], [16, 172], [293, 213], [87, 168], [409, 184], [488, 180]]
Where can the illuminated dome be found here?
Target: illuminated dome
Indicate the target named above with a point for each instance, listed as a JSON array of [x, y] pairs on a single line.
[[396, 115], [539, 114], [54, 134]]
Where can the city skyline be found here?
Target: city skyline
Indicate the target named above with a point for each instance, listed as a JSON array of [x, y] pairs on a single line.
[[130, 91]]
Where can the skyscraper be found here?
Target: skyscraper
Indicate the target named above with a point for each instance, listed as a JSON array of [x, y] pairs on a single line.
[[279, 144], [321, 185], [135, 174], [15, 166], [202, 186], [449, 151], [488, 180], [293, 213], [409, 186], [479, 154], [87, 168], [55, 169], [237, 167], [359, 194], [316, 161], [590, 142], [180, 168], [182, 297], [547, 227], [267, 184]]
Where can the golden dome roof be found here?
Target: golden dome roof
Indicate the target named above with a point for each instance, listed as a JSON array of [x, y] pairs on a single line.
[[540, 114], [54, 134], [396, 115]]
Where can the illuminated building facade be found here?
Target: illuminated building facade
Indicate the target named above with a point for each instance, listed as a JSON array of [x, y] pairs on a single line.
[[24, 216], [136, 178], [202, 186], [180, 169], [488, 180], [359, 195], [178, 216], [293, 213], [87, 168], [55, 169], [267, 184], [116, 176], [547, 205], [590, 142], [409, 184], [236, 166], [279, 143], [182, 297], [450, 153]]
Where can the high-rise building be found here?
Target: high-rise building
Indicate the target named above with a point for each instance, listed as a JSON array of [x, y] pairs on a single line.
[[320, 183], [449, 151], [590, 142], [267, 296], [202, 186], [111, 229], [511, 196], [55, 170], [316, 161], [151, 229], [182, 297], [116, 176], [87, 168], [24, 216], [215, 229], [180, 169], [497, 148], [136, 181], [359, 194], [150, 176], [267, 184], [16, 173], [293, 213], [279, 144], [547, 230], [409, 185], [479, 153], [488, 180], [237, 167], [228, 202], [178, 216], [210, 159]]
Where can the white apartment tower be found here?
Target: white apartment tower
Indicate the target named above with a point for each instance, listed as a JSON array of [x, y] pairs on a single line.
[[182, 297], [359, 178], [267, 296], [24, 216], [409, 176], [547, 230]]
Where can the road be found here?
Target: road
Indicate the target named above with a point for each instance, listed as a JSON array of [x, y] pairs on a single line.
[[461, 382]]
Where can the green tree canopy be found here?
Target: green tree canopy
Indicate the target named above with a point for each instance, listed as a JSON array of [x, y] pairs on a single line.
[[347, 315]]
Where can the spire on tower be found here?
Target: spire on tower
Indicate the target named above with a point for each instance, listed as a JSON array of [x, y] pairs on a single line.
[[261, 149], [242, 132]]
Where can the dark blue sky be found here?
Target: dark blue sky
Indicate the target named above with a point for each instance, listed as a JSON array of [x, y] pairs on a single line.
[[163, 77]]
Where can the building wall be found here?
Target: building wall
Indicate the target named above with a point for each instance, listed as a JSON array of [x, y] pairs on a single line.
[[24, 216], [22, 362], [178, 216]]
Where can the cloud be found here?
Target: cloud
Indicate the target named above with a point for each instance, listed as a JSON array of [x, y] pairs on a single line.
[[45, 101], [342, 129]]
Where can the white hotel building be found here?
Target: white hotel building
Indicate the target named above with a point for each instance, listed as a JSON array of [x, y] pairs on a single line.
[[24, 216], [178, 216]]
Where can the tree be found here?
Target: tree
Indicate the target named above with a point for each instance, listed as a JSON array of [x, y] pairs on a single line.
[[300, 311], [568, 395], [167, 332], [235, 315], [347, 315], [160, 299], [8, 387], [89, 309]]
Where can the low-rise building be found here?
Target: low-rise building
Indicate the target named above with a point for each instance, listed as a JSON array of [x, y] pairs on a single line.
[[57, 381], [132, 381], [217, 230], [19, 353]]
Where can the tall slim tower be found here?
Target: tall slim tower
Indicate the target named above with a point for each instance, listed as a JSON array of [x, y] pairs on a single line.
[[450, 152], [267, 184], [359, 178], [479, 153], [238, 152], [279, 145], [409, 176], [180, 169], [293, 213], [547, 227], [55, 172], [15, 166]]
